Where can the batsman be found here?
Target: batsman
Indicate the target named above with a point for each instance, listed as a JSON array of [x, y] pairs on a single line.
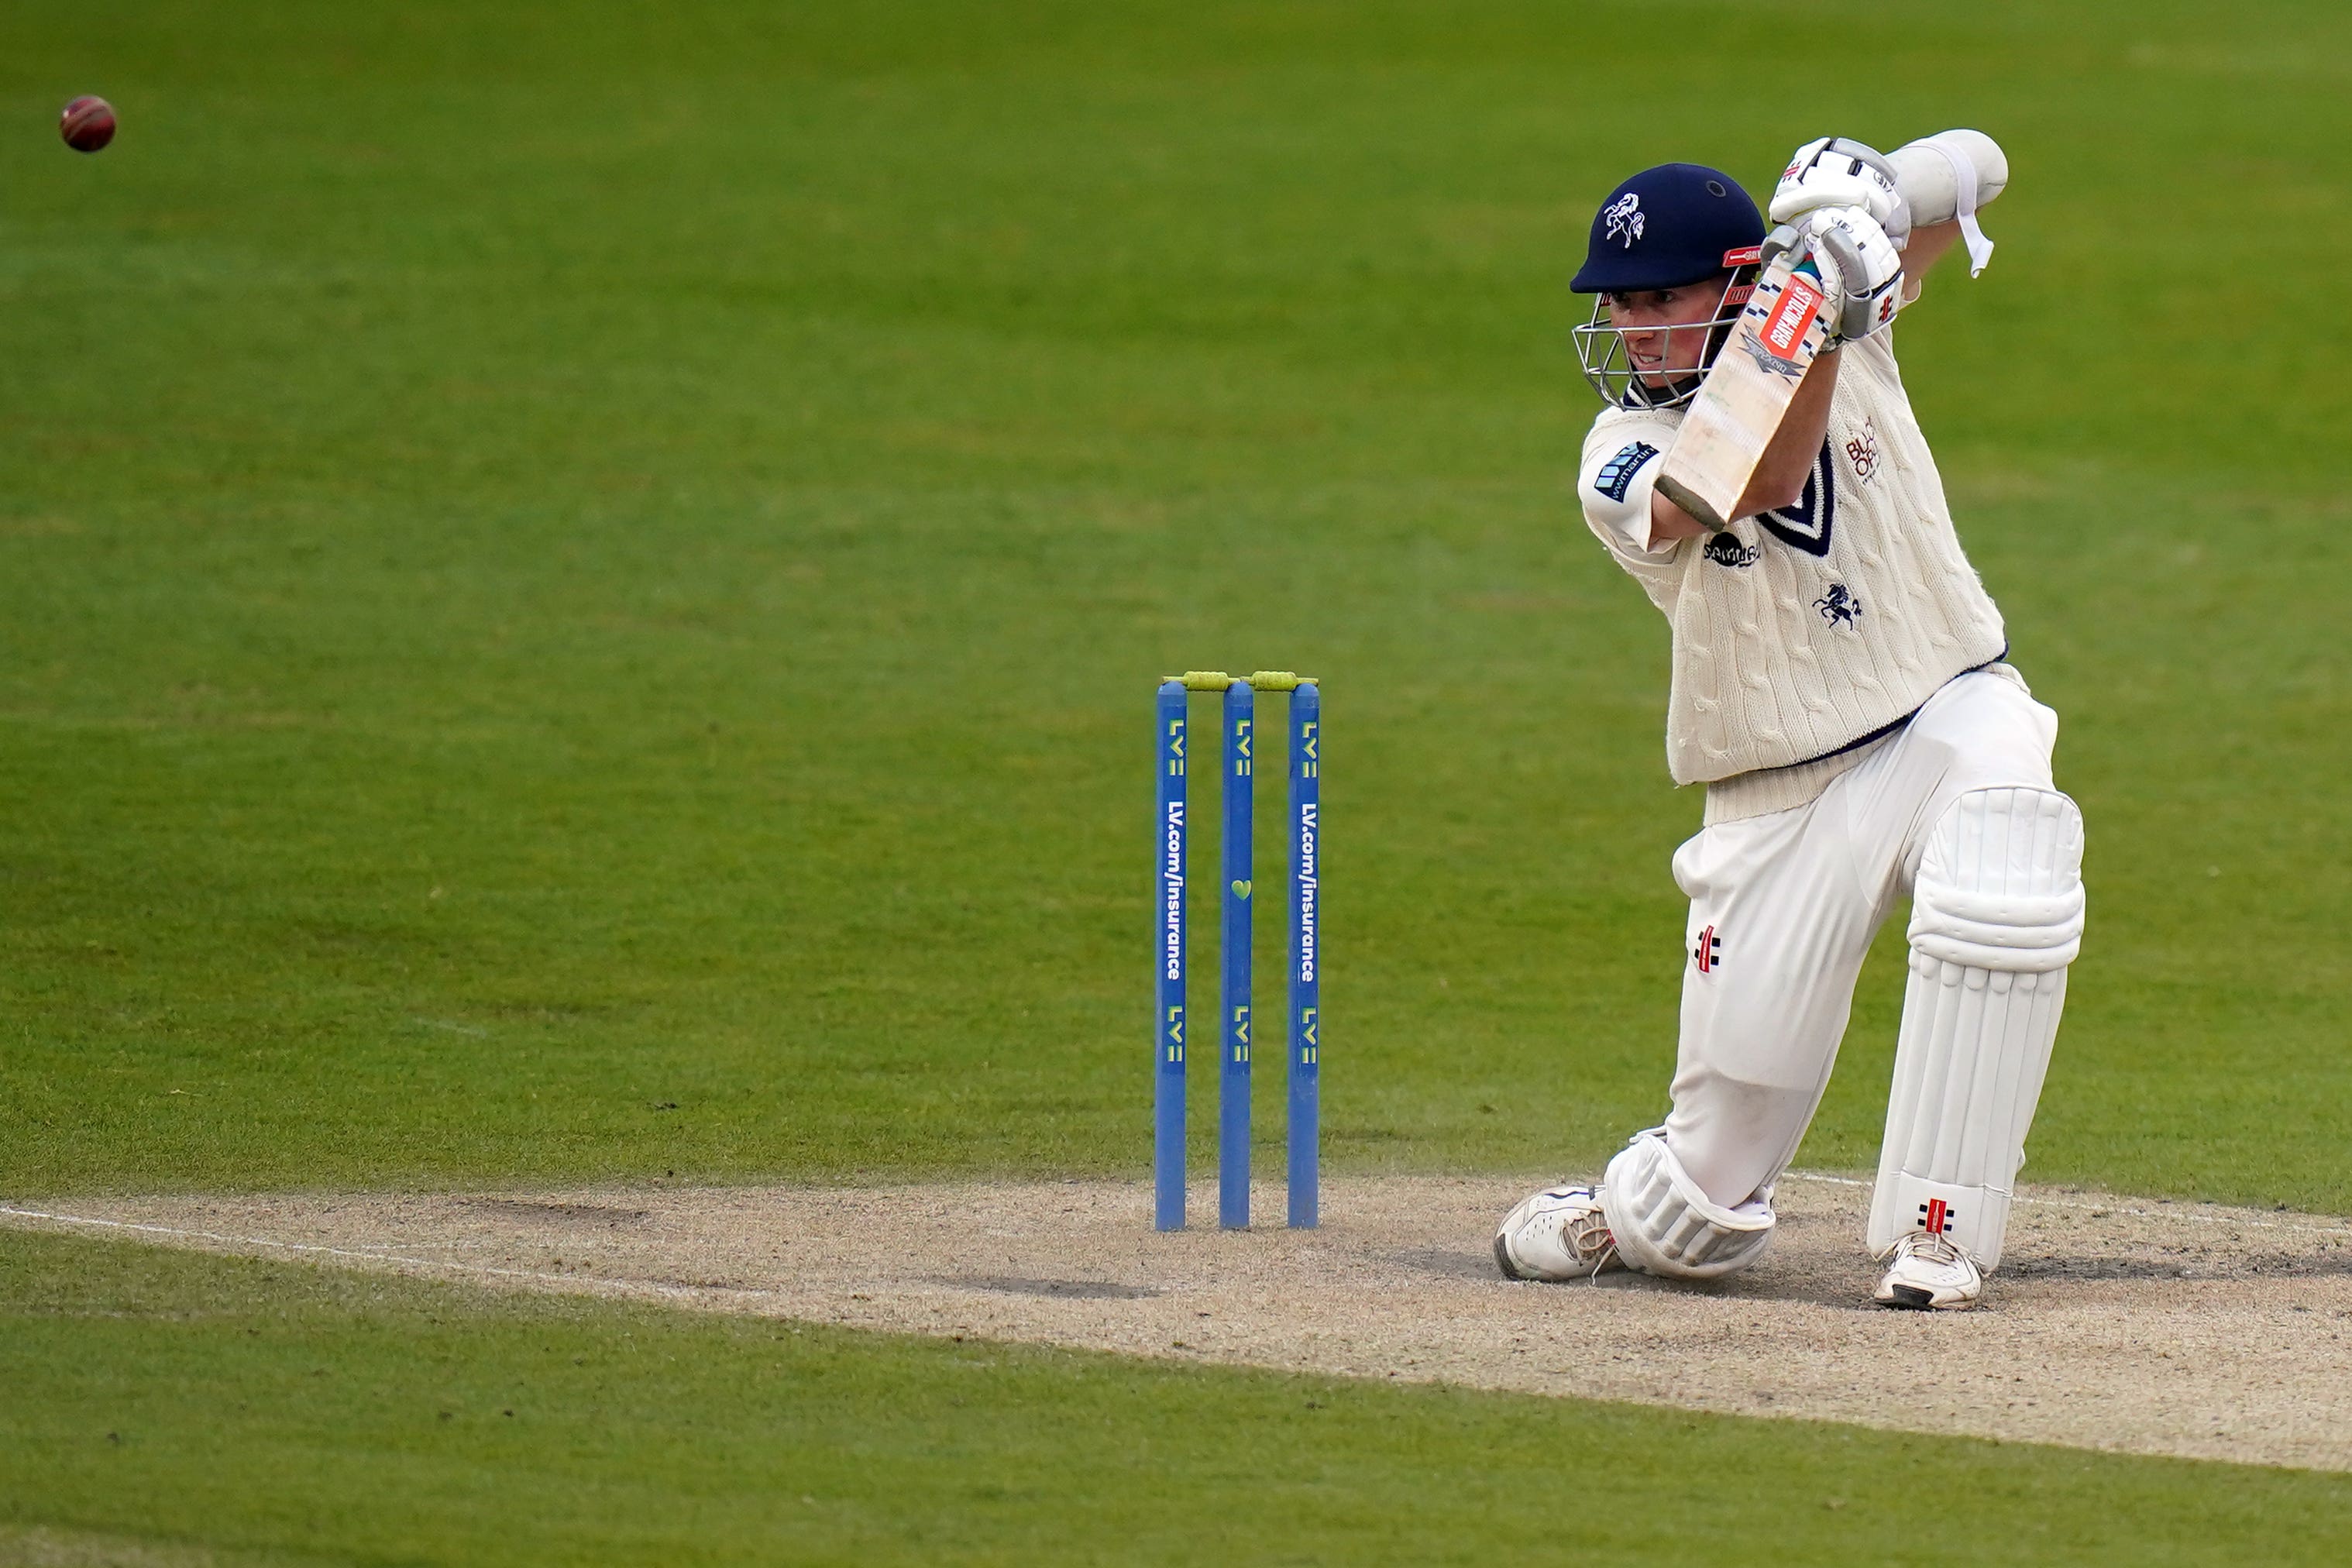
[[1841, 686]]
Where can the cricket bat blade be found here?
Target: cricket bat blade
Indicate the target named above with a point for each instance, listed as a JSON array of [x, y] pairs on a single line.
[[1744, 397]]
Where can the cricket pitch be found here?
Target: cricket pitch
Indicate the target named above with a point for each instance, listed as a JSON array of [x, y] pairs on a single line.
[[2127, 1324]]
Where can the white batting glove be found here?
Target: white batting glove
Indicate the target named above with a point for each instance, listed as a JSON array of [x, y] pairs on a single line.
[[1837, 172], [1861, 273]]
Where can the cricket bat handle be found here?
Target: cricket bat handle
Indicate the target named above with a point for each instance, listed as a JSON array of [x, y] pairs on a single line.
[[1693, 504]]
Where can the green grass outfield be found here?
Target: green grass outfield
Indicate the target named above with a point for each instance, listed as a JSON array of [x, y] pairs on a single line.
[[558, 565], [275, 1411], [580, 586]]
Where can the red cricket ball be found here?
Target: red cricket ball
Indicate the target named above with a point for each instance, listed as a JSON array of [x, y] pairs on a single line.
[[87, 125]]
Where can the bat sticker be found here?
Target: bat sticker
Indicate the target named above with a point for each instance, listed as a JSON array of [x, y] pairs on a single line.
[[1767, 359], [1792, 313]]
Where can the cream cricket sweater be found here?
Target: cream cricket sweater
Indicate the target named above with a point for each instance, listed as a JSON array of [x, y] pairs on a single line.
[[1799, 632]]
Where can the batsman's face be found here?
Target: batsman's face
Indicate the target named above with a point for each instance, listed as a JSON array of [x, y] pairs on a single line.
[[1665, 329]]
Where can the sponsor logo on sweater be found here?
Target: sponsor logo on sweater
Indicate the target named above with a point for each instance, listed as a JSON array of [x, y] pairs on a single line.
[[1863, 452], [1725, 550], [1616, 474]]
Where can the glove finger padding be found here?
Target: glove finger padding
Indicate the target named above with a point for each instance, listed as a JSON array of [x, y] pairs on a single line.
[[1860, 272], [1838, 172]]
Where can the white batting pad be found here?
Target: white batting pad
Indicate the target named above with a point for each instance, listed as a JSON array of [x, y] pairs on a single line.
[[1996, 917], [1663, 1225]]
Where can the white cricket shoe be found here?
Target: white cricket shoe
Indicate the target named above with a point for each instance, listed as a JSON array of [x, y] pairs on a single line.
[[1557, 1234], [1927, 1273]]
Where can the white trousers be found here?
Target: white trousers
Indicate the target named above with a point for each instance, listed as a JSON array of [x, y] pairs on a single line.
[[1783, 907]]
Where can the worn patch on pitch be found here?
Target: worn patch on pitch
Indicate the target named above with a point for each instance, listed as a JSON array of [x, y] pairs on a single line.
[[2120, 1323]]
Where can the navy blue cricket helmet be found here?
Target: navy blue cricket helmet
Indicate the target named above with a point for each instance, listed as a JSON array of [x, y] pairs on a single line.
[[1674, 225]]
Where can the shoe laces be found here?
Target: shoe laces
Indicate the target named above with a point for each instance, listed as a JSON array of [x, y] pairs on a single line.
[[1589, 1235], [1934, 1248]]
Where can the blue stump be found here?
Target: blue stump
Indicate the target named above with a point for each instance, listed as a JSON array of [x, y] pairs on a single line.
[[1233, 1002], [1305, 929], [1168, 1033]]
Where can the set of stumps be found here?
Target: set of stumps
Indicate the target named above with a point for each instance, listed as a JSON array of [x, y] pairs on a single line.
[[1239, 797]]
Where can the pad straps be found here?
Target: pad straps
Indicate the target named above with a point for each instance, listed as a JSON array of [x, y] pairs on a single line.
[[1964, 179]]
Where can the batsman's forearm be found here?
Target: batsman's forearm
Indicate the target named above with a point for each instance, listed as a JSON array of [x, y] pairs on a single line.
[[1779, 476], [1668, 521], [1927, 248]]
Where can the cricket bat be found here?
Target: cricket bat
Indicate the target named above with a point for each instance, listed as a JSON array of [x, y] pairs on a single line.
[[1739, 406]]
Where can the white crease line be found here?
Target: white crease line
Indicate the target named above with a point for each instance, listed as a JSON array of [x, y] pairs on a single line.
[[654, 1287], [2117, 1207]]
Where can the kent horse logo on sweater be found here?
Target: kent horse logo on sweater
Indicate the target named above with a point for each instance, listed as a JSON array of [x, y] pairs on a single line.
[[1839, 606]]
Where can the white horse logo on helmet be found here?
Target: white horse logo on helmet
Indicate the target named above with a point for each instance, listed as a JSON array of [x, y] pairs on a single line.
[[1624, 218]]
